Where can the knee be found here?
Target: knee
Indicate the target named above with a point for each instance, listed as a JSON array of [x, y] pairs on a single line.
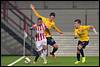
[[79, 47], [55, 46], [78, 50], [45, 47], [38, 53]]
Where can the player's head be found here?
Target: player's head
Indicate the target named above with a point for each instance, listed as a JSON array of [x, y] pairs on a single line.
[[39, 21], [77, 23], [52, 16]]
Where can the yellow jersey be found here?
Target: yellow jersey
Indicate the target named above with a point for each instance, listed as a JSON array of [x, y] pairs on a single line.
[[82, 33], [49, 24]]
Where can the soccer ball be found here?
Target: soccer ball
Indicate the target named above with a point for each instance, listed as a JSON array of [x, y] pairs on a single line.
[[27, 60]]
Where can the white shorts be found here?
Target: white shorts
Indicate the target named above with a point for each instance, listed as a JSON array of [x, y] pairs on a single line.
[[40, 44]]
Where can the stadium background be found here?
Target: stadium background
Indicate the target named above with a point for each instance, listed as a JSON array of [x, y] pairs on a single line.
[[13, 22]]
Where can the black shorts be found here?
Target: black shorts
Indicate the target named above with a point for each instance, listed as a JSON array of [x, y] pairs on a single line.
[[50, 41], [83, 43]]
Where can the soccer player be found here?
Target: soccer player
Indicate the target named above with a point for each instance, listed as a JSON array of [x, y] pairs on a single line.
[[81, 32], [49, 22], [40, 40]]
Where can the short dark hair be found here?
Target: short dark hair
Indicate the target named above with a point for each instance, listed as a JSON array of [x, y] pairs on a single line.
[[78, 20], [52, 14], [39, 19]]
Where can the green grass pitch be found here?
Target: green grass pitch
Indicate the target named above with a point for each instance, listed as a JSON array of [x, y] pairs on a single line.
[[58, 61]]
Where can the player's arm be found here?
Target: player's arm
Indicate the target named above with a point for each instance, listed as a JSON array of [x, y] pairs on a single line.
[[33, 27], [93, 28], [90, 27], [47, 30], [75, 34], [57, 29], [35, 11]]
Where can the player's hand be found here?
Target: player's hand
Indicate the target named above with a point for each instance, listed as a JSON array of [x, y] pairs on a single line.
[[32, 6], [75, 37], [61, 33], [31, 28]]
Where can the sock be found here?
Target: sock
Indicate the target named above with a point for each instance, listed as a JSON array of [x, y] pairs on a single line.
[[37, 56], [82, 53], [44, 58], [78, 57], [45, 52], [54, 50], [43, 55]]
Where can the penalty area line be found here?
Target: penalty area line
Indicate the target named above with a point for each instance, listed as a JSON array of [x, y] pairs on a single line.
[[16, 61]]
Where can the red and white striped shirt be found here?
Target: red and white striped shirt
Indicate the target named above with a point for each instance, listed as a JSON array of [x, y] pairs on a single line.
[[40, 32]]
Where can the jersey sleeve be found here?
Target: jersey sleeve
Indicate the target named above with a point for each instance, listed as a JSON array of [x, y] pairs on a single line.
[[75, 32], [56, 28], [39, 16], [86, 27], [34, 26], [46, 29], [44, 25], [43, 19]]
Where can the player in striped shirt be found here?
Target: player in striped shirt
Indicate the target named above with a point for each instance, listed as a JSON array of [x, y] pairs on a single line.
[[50, 24], [40, 40]]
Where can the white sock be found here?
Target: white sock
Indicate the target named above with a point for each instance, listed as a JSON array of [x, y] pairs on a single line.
[[43, 55], [45, 52]]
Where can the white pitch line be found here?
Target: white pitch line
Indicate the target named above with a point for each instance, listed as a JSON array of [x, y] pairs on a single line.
[[16, 61]]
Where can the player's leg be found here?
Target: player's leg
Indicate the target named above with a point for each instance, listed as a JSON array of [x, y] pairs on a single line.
[[44, 50], [82, 52], [55, 48], [83, 45], [43, 56], [78, 56], [51, 42], [38, 51], [78, 53]]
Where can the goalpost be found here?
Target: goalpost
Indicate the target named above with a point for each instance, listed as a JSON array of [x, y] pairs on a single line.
[[25, 36], [24, 39]]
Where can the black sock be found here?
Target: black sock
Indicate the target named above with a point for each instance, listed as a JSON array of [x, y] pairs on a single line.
[[82, 52], [54, 50], [37, 56], [78, 57]]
